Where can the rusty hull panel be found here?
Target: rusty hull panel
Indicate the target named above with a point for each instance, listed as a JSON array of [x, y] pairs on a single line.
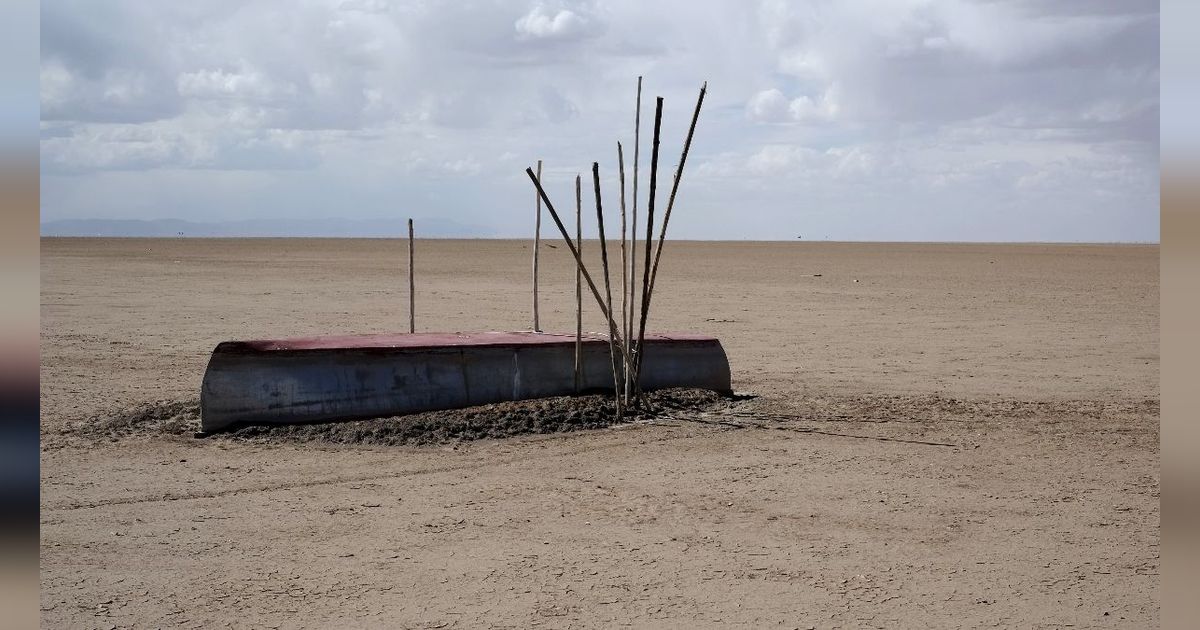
[[369, 376]]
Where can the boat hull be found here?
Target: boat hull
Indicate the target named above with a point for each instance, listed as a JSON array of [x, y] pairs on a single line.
[[325, 379]]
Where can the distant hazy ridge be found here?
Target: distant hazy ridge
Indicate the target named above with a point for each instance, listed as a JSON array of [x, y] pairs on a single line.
[[424, 227]]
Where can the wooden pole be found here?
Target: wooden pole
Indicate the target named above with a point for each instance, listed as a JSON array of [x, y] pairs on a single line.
[[649, 235], [537, 247], [412, 316], [662, 235], [612, 348], [578, 284], [624, 279], [637, 145], [562, 229], [579, 269]]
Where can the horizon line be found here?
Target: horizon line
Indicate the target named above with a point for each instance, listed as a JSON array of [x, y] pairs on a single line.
[[611, 240]]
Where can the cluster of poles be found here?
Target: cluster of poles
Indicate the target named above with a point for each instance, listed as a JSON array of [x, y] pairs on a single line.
[[626, 330]]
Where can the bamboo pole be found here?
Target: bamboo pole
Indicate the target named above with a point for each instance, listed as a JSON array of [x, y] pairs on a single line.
[[612, 349], [637, 145], [537, 248], [662, 235], [412, 316], [624, 279], [578, 284], [649, 236], [587, 277]]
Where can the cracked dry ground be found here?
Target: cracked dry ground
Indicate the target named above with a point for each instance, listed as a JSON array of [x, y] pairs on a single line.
[[965, 437]]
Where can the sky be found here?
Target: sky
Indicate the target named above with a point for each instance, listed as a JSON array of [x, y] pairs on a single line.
[[884, 120]]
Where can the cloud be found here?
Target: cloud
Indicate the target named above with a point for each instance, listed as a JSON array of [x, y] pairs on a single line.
[[117, 95], [771, 106], [242, 84], [957, 112], [543, 23], [80, 149], [768, 106], [941, 62]]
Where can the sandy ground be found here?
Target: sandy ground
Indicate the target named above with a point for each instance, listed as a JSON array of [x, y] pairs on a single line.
[[944, 436]]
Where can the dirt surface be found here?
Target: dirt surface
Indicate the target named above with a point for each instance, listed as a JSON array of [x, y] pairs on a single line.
[[559, 414], [942, 436]]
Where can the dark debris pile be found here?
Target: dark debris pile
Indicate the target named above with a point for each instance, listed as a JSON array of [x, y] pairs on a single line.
[[546, 415]]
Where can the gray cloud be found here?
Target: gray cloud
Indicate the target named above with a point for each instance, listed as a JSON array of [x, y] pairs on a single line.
[[830, 117]]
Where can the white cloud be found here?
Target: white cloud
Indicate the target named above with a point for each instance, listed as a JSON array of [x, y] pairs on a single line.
[[768, 106], [771, 106], [244, 84], [544, 23]]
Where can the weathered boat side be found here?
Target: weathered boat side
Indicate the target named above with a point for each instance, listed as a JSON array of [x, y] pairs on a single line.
[[370, 376]]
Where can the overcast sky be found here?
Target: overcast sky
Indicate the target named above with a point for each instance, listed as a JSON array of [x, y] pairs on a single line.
[[841, 119]]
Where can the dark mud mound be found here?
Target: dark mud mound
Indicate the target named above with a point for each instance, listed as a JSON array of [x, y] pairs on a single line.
[[159, 418], [546, 415]]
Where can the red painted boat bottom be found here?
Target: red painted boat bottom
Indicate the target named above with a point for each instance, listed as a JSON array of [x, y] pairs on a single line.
[[424, 341]]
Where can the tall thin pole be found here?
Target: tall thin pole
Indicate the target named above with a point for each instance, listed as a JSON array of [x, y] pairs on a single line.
[[637, 146], [578, 281], [662, 235], [537, 247], [624, 277], [612, 348], [571, 246], [649, 235], [412, 315]]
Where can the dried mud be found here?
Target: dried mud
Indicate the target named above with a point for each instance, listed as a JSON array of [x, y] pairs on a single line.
[[559, 414]]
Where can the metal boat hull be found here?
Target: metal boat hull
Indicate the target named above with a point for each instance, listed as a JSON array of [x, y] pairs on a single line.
[[370, 376]]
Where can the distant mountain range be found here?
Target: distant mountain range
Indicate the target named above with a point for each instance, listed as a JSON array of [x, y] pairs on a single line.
[[335, 228]]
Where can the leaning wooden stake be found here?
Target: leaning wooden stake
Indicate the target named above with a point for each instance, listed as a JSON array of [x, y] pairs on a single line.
[[412, 317], [649, 235], [578, 284], [612, 348], [662, 235], [537, 247], [580, 267], [624, 389], [587, 277]]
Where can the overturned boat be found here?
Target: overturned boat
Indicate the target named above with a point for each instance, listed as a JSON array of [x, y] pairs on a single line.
[[352, 377]]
